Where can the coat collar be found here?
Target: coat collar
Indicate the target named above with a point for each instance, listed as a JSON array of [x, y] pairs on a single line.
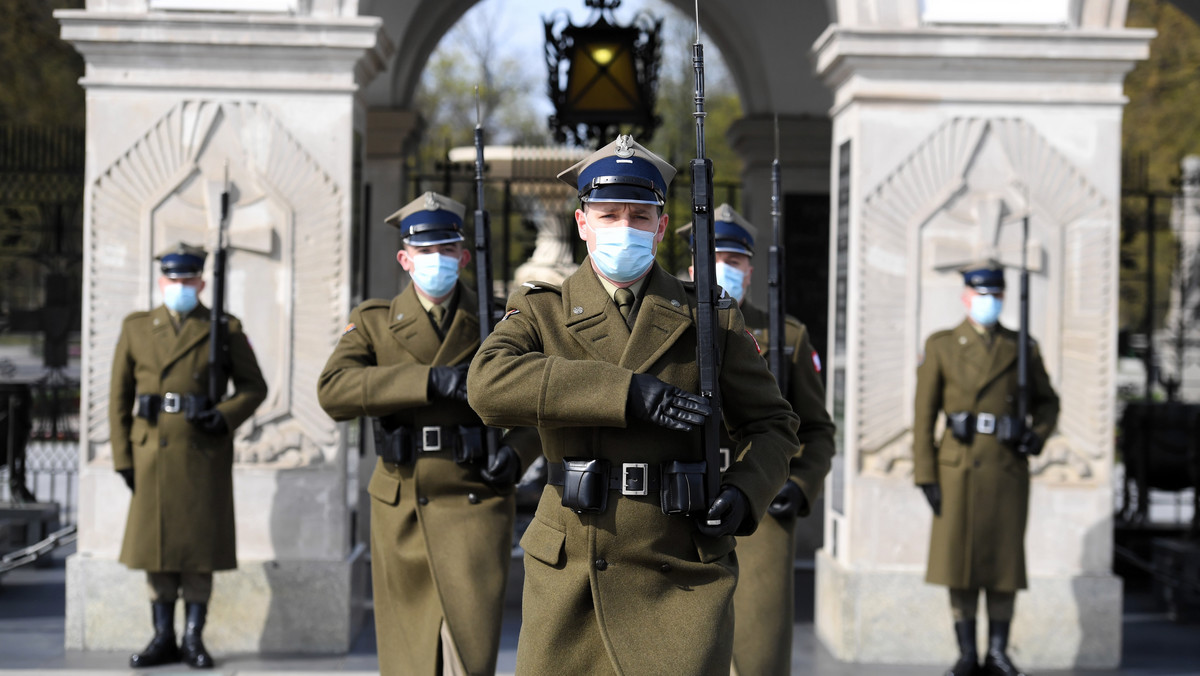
[[193, 329], [663, 315], [989, 362], [412, 329]]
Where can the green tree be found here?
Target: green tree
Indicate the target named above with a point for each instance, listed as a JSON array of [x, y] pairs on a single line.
[[1160, 121], [39, 73], [1160, 127]]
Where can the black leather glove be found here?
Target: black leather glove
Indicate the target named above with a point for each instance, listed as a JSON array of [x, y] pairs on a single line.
[[728, 510], [1030, 444], [504, 469], [127, 475], [789, 502], [210, 421], [449, 382], [933, 493], [665, 405]]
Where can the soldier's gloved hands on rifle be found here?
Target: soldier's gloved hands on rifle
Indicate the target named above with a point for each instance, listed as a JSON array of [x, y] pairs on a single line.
[[504, 469], [789, 502], [449, 382], [127, 475], [729, 510], [933, 493], [665, 405], [210, 421], [1030, 443]]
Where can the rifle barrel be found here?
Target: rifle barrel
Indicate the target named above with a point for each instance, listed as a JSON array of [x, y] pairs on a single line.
[[704, 262], [776, 307]]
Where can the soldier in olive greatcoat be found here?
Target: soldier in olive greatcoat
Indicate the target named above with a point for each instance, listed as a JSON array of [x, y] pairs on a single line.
[[442, 512], [605, 367], [175, 451], [764, 602], [976, 478]]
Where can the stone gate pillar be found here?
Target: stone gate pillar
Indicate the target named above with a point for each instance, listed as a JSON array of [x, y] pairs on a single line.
[[951, 121], [174, 97]]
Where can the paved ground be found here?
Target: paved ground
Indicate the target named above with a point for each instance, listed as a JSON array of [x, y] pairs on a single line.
[[32, 619]]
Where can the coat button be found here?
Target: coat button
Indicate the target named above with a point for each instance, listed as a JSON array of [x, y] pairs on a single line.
[[601, 564], [978, 464], [422, 500], [666, 568], [472, 498], [162, 443]]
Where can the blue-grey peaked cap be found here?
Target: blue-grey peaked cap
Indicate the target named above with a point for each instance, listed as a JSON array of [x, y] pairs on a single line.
[[985, 276], [182, 261], [622, 171], [430, 219]]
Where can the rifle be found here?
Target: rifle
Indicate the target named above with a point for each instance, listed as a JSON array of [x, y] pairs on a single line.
[[1023, 344], [483, 260], [705, 261], [775, 278], [218, 327]]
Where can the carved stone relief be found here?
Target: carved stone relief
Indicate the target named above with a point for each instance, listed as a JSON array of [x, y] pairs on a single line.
[[960, 196], [286, 251]]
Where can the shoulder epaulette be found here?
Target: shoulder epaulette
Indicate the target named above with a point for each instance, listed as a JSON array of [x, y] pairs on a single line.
[[134, 316], [938, 335], [538, 287], [374, 303]]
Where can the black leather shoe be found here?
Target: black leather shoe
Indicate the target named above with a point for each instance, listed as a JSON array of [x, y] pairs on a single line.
[[162, 648], [968, 659], [192, 646], [997, 662]]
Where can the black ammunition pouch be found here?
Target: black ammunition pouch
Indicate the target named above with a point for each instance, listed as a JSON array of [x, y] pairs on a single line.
[[585, 485], [471, 446], [683, 488], [393, 445], [149, 406], [962, 426], [1009, 429]]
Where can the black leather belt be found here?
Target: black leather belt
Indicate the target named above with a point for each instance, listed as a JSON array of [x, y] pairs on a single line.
[[150, 405], [404, 444], [630, 478]]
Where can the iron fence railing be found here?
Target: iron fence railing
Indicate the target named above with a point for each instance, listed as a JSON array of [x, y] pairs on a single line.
[[52, 475]]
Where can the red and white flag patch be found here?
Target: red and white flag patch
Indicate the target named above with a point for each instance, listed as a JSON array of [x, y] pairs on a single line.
[[816, 360]]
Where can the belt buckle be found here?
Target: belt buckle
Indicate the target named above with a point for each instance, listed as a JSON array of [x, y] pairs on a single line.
[[726, 458], [431, 438], [985, 423], [626, 479], [171, 402]]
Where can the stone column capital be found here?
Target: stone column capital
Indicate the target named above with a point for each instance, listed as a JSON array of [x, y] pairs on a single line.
[[237, 52]]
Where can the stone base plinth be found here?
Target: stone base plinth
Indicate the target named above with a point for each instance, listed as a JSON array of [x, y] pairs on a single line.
[[263, 606], [894, 617]]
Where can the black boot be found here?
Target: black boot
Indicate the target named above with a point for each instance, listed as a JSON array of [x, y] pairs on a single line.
[[997, 662], [192, 646], [162, 648], [968, 655]]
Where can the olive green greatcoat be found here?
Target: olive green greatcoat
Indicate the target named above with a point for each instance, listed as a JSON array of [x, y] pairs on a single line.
[[979, 539], [441, 539], [181, 512], [764, 602], [628, 590]]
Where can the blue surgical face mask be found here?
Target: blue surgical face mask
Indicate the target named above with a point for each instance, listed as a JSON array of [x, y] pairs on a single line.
[[985, 309], [180, 298], [622, 254], [434, 273], [732, 280]]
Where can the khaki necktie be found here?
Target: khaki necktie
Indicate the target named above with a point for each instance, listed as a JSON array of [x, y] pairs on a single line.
[[438, 313], [624, 298]]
